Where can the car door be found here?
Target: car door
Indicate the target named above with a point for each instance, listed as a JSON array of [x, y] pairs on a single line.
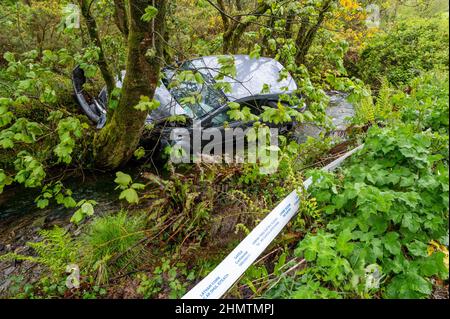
[[232, 132]]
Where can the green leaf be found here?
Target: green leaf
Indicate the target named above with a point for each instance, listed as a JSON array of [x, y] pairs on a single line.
[[122, 179], [145, 104], [6, 143], [8, 56], [77, 217], [137, 186], [139, 153], [87, 209], [4, 180], [150, 13], [256, 53], [42, 203], [272, 44], [433, 265], [199, 78], [342, 242], [69, 202], [391, 243], [130, 195], [417, 248], [408, 286], [411, 221]]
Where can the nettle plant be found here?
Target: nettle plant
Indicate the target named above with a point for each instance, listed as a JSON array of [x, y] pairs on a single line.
[[383, 210]]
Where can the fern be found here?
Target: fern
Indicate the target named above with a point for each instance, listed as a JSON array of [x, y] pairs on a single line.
[[383, 106], [368, 112], [55, 251], [365, 112]]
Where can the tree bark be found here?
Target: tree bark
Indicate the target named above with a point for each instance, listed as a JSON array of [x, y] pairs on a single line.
[[120, 17], [223, 15], [307, 32], [115, 143], [228, 36], [229, 26], [95, 38], [236, 28]]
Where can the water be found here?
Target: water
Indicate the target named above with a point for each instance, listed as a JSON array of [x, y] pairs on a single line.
[[19, 201], [339, 110]]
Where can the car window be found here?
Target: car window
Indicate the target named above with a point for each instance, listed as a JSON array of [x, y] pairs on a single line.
[[209, 97], [220, 118]]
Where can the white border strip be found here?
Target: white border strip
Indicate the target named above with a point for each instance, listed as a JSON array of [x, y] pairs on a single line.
[[216, 284]]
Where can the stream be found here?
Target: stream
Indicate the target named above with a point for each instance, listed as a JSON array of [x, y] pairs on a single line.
[[20, 219]]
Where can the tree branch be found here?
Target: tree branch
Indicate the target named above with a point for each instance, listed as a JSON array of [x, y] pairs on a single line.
[[120, 17], [91, 24]]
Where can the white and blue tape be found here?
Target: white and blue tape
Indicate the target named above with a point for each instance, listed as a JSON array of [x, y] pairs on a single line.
[[216, 283]]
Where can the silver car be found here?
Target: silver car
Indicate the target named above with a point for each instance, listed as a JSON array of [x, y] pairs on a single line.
[[258, 82]]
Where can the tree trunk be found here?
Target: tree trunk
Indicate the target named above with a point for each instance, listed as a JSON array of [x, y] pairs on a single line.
[[223, 14], [307, 32], [120, 17], [115, 143], [228, 37], [95, 38], [229, 26], [232, 36]]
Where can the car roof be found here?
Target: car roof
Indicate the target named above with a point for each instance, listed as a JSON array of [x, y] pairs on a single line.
[[251, 76]]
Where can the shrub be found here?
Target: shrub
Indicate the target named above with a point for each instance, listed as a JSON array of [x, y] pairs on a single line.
[[411, 47], [427, 104], [383, 211]]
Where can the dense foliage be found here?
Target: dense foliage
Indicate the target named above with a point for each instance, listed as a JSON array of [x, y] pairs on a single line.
[[391, 201], [404, 51], [375, 228]]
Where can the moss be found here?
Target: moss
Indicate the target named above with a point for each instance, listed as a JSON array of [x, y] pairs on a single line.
[[116, 142]]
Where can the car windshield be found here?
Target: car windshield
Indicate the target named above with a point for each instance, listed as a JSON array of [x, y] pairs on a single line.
[[196, 99]]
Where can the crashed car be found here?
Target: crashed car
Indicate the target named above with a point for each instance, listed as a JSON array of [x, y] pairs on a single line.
[[258, 82]]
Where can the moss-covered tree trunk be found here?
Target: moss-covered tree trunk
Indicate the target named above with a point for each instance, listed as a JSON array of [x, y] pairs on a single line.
[[115, 143], [120, 17]]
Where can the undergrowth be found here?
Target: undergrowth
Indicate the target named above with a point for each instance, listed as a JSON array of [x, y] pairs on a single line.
[[380, 225]]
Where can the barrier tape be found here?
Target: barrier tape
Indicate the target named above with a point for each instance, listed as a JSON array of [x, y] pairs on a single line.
[[217, 282]]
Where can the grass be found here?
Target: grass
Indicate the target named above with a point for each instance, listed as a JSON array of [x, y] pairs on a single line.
[[113, 244]]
